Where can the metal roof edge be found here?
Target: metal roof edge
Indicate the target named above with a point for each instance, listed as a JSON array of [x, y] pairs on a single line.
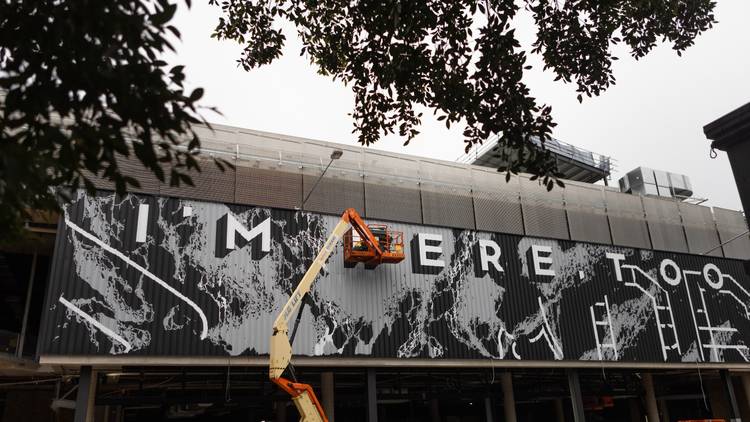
[[729, 128]]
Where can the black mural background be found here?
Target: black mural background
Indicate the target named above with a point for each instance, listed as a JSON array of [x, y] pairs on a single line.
[[400, 311]]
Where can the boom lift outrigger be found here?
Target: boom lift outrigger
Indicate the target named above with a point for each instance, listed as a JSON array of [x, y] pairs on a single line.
[[384, 246]]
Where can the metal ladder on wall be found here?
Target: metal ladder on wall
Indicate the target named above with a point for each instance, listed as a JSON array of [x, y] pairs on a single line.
[[665, 321], [662, 311], [607, 331]]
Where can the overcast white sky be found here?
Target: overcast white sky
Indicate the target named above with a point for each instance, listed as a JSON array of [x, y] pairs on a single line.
[[653, 117]]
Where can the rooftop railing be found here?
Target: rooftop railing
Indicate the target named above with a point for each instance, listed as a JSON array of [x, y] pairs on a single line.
[[599, 161]]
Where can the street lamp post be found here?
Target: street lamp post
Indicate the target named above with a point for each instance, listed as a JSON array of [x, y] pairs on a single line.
[[335, 155]]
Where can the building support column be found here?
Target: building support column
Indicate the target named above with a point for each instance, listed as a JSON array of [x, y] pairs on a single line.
[[509, 400], [652, 411], [559, 410], [576, 398], [372, 396], [488, 409], [327, 390], [734, 407], [86, 396]]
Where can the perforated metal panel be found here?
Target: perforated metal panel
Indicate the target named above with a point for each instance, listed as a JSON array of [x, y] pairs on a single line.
[[664, 224], [273, 188], [543, 211], [587, 216], [393, 201], [135, 169], [99, 182], [448, 207], [211, 184], [497, 203], [334, 194], [342, 186], [731, 224], [391, 188], [700, 229], [626, 220], [446, 195]]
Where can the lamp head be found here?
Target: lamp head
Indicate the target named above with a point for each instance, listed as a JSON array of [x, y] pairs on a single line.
[[336, 154]]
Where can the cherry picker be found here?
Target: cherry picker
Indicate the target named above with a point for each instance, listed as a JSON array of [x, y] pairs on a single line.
[[371, 245]]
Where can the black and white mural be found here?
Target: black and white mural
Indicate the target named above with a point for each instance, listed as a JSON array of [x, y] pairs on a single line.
[[143, 275]]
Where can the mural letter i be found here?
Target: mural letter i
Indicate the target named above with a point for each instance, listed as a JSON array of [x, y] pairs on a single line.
[[140, 231]]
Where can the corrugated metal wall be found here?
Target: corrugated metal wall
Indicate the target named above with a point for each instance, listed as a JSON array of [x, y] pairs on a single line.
[[278, 171], [529, 299]]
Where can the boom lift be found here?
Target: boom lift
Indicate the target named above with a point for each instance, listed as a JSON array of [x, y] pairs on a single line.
[[371, 245]]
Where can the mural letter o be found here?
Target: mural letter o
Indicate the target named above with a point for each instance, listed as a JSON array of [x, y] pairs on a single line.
[[674, 281], [719, 279]]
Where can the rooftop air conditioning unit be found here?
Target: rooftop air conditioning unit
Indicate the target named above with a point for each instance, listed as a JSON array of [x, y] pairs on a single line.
[[646, 181]]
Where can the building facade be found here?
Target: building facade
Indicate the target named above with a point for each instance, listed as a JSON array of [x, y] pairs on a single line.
[[512, 302]]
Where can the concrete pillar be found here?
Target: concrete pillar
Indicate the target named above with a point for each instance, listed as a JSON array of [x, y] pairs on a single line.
[[86, 396], [576, 398], [734, 408], [664, 410], [652, 411], [280, 411], [327, 398], [435, 410], [509, 401], [559, 410], [372, 396], [488, 409]]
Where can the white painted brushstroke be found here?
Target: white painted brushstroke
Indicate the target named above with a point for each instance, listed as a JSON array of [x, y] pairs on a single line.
[[140, 231], [96, 324], [147, 273]]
